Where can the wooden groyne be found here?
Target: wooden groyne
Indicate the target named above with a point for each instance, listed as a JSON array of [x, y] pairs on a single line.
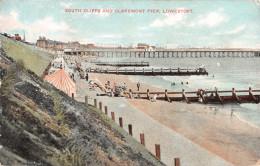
[[152, 72], [123, 64], [222, 97]]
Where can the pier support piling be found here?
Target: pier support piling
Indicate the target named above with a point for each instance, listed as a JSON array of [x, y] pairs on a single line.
[[218, 97], [235, 97], [252, 96], [166, 96], [184, 96]]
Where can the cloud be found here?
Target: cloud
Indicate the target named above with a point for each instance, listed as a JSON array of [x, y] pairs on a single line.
[[142, 28], [192, 24], [86, 15], [10, 22], [48, 24], [110, 36], [63, 38], [144, 34], [168, 20], [237, 30], [87, 40], [213, 19], [103, 14], [234, 31], [172, 45], [237, 44], [66, 4], [43, 27]]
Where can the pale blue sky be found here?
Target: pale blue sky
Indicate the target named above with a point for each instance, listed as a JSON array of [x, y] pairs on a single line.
[[229, 23]]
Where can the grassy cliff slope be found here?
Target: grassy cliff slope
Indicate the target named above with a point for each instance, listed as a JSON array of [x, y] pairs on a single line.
[[34, 60], [40, 125]]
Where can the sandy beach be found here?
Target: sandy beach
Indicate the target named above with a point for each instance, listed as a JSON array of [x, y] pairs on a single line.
[[211, 127], [208, 126], [171, 143]]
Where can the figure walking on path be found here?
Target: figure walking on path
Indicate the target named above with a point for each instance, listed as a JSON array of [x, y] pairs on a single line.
[[87, 77], [138, 86]]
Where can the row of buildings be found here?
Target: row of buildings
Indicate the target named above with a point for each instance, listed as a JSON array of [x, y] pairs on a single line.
[[53, 45], [57, 46]]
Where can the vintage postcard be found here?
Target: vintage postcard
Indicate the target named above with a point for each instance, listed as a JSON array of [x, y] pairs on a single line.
[[149, 82]]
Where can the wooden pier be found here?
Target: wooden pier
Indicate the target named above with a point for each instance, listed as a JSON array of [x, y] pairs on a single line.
[[220, 97], [123, 64], [152, 72], [169, 53]]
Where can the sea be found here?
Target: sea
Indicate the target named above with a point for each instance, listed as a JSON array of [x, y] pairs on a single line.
[[225, 73]]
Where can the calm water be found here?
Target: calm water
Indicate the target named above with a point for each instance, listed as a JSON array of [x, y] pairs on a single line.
[[238, 73]]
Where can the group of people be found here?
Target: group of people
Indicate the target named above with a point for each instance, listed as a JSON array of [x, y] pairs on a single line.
[[116, 87]]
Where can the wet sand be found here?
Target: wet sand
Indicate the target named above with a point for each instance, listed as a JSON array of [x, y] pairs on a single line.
[[208, 126]]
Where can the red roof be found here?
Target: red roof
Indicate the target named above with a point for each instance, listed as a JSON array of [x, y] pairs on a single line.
[[62, 81]]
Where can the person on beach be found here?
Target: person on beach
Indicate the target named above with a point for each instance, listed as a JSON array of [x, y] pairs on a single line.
[[124, 87], [154, 98], [138, 86], [87, 77], [106, 86], [114, 86], [200, 100], [198, 92]]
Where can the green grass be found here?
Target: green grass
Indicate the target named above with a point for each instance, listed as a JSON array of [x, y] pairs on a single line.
[[33, 59], [59, 118], [69, 157], [8, 81]]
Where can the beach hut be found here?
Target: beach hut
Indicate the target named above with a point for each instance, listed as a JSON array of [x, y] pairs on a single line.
[[62, 81]]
